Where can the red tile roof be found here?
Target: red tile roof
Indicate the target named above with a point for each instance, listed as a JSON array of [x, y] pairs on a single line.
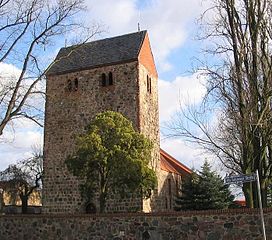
[[241, 203], [170, 164]]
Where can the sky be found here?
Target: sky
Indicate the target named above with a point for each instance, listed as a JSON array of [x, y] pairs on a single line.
[[172, 28]]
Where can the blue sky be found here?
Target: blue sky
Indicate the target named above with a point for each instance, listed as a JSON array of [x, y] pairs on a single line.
[[172, 28]]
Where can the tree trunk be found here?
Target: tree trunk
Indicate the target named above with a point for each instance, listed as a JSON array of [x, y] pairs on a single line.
[[24, 200], [102, 202], [247, 189], [264, 194], [2, 204]]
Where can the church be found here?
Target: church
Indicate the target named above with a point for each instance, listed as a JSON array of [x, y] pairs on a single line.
[[117, 74]]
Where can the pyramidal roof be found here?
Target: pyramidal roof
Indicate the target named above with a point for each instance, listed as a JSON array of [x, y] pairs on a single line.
[[107, 51]]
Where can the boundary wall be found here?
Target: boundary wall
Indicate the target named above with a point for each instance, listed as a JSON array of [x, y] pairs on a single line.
[[236, 224]]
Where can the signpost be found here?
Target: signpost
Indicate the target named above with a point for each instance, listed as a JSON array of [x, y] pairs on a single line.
[[234, 179], [240, 179], [260, 203]]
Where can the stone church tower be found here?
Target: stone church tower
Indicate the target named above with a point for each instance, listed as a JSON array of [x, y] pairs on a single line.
[[117, 74]]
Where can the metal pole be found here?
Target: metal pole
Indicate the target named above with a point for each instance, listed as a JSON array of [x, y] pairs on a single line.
[[260, 204]]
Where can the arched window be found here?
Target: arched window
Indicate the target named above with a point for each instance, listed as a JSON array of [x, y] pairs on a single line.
[[169, 187], [107, 80], [177, 187], [76, 84], [91, 208], [170, 193], [104, 79], [110, 78], [150, 85], [69, 85], [147, 83]]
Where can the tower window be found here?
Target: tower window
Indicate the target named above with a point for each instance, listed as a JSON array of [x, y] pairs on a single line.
[[148, 83], [69, 85], [107, 81], [72, 86], [104, 79], [76, 84], [110, 78]]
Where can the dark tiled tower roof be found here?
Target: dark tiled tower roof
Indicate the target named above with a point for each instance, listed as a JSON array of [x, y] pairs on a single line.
[[107, 51]]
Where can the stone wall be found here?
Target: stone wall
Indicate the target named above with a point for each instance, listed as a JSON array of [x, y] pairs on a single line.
[[14, 209], [208, 225]]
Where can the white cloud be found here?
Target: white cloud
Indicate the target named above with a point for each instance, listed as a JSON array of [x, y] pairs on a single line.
[[7, 70], [174, 95], [8, 76], [18, 145], [117, 16], [168, 22], [23, 139]]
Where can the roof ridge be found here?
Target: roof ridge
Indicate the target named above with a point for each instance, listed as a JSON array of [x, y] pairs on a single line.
[[107, 38]]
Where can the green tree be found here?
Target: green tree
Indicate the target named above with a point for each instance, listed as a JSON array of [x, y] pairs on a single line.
[[204, 191], [112, 158]]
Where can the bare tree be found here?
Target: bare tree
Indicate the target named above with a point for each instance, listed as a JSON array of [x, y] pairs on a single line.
[[23, 178], [240, 86], [28, 31]]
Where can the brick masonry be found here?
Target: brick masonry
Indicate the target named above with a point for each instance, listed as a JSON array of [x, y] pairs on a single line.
[[208, 225]]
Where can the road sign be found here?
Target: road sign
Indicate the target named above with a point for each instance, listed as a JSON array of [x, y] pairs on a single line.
[[240, 178]]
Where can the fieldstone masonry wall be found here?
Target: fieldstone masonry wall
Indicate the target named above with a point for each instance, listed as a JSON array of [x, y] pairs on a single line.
[[206, 225], [69, 112], [149, 113]]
